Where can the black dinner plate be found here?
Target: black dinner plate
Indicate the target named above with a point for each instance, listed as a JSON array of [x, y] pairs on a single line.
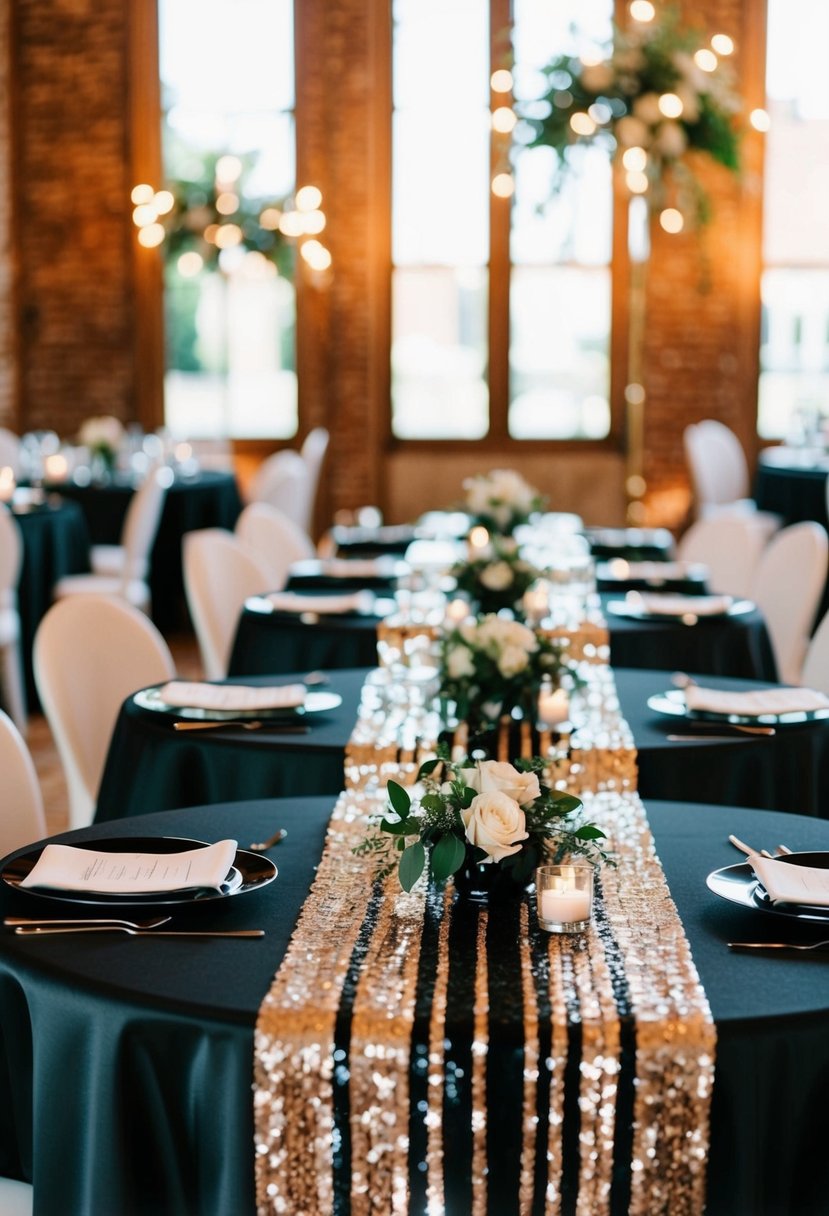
[[673, 704], [315, 703], [249, 872], [740, 885]]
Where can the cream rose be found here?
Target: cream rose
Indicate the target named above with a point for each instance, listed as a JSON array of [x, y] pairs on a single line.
[[497, 577], [512, 661], [459, 663], [495, 823], [498, 775]]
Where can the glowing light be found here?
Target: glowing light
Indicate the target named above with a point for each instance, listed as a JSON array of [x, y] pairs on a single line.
[[722, 44], [705, 60], [635, 159], [291, 224], [637, 183], [163, 201], [642, 10], [501, 81], [503, 120], [313, 222], [257, 266], [227, 202], [671, 220], [142, 193], [316, 255], [210, 233], [189, 264], [151, 236], [503, 185], [760, 120], [600, 112], [308, 198], [228, 169], [144, 214], [582, 123], [270, 218], [228, 235], [670, 105]]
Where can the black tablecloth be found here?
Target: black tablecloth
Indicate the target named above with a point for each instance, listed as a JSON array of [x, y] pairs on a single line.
[[126, 1064], [190, 768], [268, 643], [55, 543], [210, 499]]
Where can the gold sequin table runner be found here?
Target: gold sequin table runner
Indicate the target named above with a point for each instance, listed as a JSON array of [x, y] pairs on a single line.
[[398, 1025]]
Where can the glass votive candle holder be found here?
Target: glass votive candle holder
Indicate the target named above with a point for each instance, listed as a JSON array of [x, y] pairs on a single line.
[[564, 896]]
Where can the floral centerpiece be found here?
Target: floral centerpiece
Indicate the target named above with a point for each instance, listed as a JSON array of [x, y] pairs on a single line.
[[491, 665], [495, 576], [487, 823], [103, 436], [658, 95], [500, 500]]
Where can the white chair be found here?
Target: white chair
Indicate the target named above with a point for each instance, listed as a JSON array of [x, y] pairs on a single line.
[[11, 451], [220, 573], [122, 570], [11, 662], [16, 1198], [815, 673], [274, 539], [282, 480], [730, 548], [90, 653], [719, 475], [22, 820], [787, 588], [313, 452]]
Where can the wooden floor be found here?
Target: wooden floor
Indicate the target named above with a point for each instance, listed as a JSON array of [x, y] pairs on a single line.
[[42, 747]]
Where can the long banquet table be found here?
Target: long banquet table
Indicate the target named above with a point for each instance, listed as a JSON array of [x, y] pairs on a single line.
[[127, 1064]]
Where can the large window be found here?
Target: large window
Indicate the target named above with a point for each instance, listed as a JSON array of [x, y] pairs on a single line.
[[227, 73], [501, 295], [794, 379]]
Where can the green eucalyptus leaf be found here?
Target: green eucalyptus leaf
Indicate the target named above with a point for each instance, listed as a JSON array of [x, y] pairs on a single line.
[[447, 856], [427, 768], [590, 832], [399, 799], [566, 803], [412, 864]]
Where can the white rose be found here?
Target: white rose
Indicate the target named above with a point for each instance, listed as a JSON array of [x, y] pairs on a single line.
[[512, 661], [495, 823], [459, 663], [524, 788], [497, 577]]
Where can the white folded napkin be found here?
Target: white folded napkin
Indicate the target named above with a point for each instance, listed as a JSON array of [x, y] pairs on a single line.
[[791, 884], [236, 698], [751, 704], [650, 571], [66, 868], [680, 605], [290, 601]]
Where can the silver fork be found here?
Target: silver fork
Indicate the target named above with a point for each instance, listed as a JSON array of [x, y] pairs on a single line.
[[23, 921], [777, 945], [41, 931]]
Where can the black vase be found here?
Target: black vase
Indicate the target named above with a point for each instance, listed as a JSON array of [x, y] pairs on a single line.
[[487, 883]]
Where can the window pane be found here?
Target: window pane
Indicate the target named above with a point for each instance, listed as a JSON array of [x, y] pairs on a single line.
[[230, 330], [439, 354], [794, 352]]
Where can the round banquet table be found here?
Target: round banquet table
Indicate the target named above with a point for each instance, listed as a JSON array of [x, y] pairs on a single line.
[[208, 499], [791, 482], [270, 642], [788, 771], [127, 1064], [55, 543]]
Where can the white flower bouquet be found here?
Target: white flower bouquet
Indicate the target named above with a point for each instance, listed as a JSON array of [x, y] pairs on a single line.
[[501, 500], [103, 436], [495, 576]]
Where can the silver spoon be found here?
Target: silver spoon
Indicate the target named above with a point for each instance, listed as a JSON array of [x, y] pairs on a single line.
[[263, 845]]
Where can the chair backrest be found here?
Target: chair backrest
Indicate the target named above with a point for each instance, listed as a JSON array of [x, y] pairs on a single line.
[[716, 462], [220, 573], [11, 555], [90, 653], [313, 452], [275, 540], [730, 547], [282, 480], [22, 820], [11, 451], [815, 673], [141, 522], [787, 588]]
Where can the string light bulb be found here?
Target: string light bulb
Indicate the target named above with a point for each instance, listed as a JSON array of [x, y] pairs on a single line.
[[642, 10], [671, 220]]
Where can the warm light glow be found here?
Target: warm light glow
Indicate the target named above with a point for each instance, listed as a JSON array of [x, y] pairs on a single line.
[[722, 44], [671, 219], [164, 201], [706, 60], [151, 236], [642, 10], [257, 266], [270, 218], [142, 193], [637, 183], [313, 222], [478, 537], [582, 123], [228, 235], [189, 264], [503, 120], [227, 202], [210, 233], [501, 81], [503, 185], [635, 159], [600, 112], [760, 120], [591, 59], [144, 214], [291, 224], [7, 483], [315, 254], [308, 198], [634, 393], [228, 169], [670, 105], [182, 451]]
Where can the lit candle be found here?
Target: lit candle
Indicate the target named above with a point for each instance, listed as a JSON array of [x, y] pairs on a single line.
[[564, 906], [56, 467], [553, 707], [478, 541], [7, 483], [457, 610]]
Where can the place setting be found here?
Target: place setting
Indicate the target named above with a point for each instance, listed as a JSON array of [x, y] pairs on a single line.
[[685, 609], [756, 713], [198, 705]]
